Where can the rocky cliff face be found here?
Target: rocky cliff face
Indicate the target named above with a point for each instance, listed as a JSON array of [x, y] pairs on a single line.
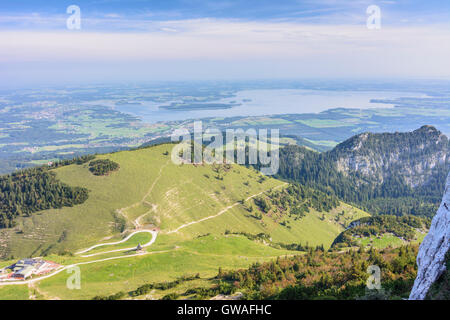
[[386, 173], [412, 155], [432, 252]]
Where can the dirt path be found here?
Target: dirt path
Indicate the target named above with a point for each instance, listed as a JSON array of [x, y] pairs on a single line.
[[152, 240], [32, 287], [31, 295], [61, 269], [220, 212], [136, 222], [154, 233]]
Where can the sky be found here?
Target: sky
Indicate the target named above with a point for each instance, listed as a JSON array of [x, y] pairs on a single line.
[[140, 40]]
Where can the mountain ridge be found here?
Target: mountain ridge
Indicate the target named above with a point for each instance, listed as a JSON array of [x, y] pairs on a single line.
[[372, 158], [393, 173]]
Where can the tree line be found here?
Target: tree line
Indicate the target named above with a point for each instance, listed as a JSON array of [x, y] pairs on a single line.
[[102, 167], [322, 275], [30, 190], [403, 227], [294, 201]]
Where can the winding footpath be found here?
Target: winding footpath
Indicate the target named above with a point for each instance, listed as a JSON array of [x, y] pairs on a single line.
[[153, 239], [136, 222], [62, 268], [221, 212]]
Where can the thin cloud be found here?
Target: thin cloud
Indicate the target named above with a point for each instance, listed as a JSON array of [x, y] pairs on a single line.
[[309, 43]]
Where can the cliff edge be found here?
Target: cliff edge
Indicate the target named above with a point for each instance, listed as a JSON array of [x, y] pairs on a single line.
[[433, 250]]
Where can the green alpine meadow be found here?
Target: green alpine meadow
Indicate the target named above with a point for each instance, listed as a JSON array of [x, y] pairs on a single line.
[[224, 158]]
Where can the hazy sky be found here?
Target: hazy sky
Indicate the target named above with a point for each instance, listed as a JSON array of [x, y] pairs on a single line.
[[142, 40]]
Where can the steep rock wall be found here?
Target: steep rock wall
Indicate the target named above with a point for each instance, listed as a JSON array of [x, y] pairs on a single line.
[[431, 257]]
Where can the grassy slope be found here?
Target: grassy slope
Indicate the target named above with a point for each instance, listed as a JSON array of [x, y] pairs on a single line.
[[182, 194], [389, 240], [14, 292], [202, 255], [310, 229], [149, 186]]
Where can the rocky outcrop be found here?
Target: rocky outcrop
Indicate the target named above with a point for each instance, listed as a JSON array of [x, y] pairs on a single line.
[[411, 155], [432, 252]]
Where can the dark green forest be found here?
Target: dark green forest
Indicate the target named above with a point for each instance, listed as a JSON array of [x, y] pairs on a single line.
[[103, 167], [24, 192], [296, 200]]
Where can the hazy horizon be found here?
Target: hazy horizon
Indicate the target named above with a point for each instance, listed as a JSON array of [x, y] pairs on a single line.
[[126, 41]]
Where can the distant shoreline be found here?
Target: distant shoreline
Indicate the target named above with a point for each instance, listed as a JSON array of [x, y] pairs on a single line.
[[199, 106]]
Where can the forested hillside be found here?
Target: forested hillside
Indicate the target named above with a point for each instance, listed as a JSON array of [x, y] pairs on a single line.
[[321, 275], [389, 173], [404, 227], [294, 201], [25, 192]]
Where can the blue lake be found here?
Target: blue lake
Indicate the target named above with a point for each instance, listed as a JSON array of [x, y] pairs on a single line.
[[266, 102]]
